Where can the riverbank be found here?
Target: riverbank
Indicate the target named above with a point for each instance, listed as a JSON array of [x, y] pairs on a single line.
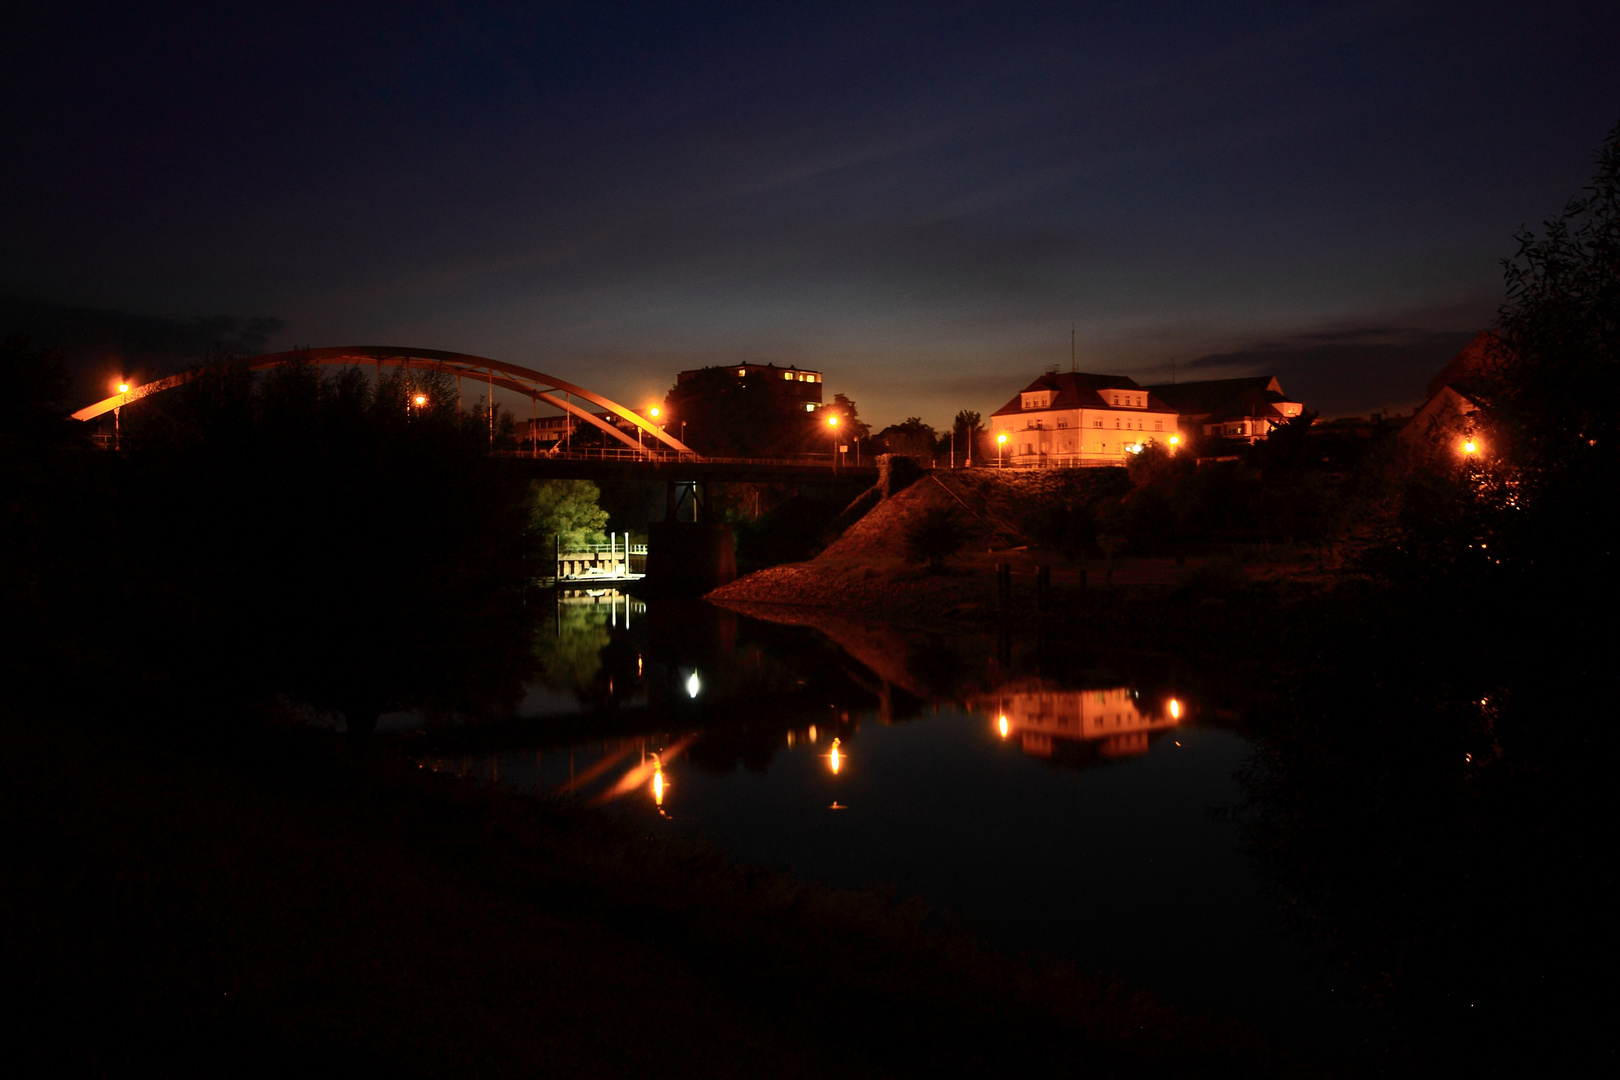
[[275, 900], [863, 573]]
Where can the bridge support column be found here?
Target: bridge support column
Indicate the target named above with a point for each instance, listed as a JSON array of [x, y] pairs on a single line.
[[684, 501], [690, 558]]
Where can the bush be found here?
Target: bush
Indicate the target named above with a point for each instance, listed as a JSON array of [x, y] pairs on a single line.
[[934, 537]]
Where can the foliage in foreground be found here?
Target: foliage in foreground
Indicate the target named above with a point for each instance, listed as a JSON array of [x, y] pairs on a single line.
[[294, 533], [936, 535]]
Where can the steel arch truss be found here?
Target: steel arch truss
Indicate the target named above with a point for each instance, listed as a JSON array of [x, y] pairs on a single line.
[[535, 384]]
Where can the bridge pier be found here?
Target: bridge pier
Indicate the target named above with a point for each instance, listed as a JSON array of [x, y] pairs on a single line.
[[690, 557]]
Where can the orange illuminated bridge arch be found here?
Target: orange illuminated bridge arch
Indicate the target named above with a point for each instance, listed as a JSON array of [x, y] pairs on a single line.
[[535, 384]]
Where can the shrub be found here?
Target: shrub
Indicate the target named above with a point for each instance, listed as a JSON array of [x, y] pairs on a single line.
[[934, 537]]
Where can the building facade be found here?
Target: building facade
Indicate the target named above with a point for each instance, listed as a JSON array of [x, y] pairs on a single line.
[[1245, 410], [1073, 419], [790, 386]]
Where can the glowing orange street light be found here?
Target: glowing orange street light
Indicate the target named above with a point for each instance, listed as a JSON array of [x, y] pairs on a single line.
[[653, 412], [1175, 709], [1001, 441], [420, 400], [835, 759], [1175, 441], [123, 388], [1003, 727], [1470, 446], [832, 426]]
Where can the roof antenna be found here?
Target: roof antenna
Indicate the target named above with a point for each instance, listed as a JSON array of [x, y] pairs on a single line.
[[1071, 349]]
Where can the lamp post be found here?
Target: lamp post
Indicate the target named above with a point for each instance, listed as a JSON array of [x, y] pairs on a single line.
[[1001, 442], [123, 388], [832, 426]]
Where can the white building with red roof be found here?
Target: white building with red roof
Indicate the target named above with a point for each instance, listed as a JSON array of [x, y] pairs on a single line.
[[1070, 419]]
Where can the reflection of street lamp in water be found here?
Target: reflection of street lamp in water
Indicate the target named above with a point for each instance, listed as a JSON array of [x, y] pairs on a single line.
[[835, 762]]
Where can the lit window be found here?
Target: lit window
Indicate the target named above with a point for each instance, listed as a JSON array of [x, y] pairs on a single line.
[[809, 406], [741, 372], [788, 375]]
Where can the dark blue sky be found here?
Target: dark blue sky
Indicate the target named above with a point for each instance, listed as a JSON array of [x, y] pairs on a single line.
[[917, 199]]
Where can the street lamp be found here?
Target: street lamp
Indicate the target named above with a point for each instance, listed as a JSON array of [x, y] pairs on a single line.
[[1001, 441], [832, 426], [653, 412], [1470, 447], [123, 388]]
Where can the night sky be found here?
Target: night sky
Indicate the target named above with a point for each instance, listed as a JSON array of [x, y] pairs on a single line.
[[917, 199]]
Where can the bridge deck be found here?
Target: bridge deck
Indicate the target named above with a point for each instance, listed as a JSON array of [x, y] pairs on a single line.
[[686, 468]]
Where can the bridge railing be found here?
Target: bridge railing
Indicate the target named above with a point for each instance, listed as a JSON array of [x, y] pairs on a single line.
[[822, 461]]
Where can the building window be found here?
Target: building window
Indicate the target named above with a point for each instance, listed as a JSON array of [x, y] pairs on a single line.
[[741, 372], [1158, 425], [1063, 423], [1096, 423]]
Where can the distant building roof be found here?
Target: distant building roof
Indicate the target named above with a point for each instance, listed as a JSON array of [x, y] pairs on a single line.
[[1476, 362], [1227, 397], [1080, 390]]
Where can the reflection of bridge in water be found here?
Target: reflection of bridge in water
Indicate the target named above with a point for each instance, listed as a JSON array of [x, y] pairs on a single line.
[[689, 695]]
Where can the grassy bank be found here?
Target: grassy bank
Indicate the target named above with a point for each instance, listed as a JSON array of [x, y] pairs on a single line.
[[1007, 519], [276, 901]]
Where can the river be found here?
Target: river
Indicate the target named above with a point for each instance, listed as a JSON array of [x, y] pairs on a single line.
[[1070, 805]]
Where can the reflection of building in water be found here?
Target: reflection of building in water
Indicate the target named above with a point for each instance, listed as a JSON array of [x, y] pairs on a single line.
[[1116, 722]]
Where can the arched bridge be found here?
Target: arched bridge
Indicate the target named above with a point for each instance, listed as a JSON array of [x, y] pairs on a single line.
[[537, 385]]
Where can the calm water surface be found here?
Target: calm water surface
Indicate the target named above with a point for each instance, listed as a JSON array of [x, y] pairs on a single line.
[[1055, 802]]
